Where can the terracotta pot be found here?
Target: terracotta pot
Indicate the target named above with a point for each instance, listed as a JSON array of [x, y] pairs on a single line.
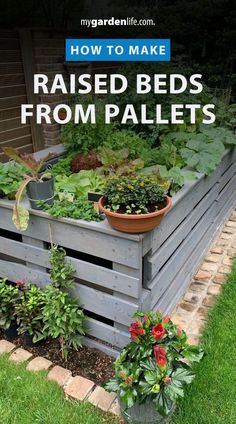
[[134, 223]]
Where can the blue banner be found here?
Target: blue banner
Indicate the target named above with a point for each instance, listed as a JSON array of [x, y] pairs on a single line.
[[129, 50]]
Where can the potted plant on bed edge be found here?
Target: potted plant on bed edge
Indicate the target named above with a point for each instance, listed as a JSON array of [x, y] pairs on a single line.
[[153, 369], [39, 187], [134, 204]]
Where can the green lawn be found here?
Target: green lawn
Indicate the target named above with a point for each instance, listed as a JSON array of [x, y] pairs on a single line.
[[211, 399], [26, 398]]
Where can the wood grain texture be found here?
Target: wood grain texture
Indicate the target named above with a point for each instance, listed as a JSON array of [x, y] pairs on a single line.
[[34, 254]]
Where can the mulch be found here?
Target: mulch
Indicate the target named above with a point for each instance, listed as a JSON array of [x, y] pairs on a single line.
[[87, 362]]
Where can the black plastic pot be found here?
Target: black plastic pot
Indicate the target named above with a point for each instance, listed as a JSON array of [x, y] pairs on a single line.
[[28, 340], [40, 190], [11, 333]]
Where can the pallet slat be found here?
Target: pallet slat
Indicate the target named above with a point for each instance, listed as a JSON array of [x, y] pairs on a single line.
[[156, 261], [177, 260], [112, 248], [86, 271], [115, 309]]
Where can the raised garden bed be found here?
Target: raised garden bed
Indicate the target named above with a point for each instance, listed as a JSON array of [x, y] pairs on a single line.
[[118, 273]]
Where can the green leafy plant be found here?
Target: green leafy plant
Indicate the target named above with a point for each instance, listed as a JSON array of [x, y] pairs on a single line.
[[62, 270], [80, 183], [77, 209], [33, 167], [134, 144], [11, 174], [156, 365], [62, 166], [86, 137], [63, 319], [9, 297], [117, 162], [170, 179], [202, 154], [29, 312], [134, 194]]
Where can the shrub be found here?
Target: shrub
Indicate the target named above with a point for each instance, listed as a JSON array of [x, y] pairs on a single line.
[[9, 296], [134, 194], [30, 312]]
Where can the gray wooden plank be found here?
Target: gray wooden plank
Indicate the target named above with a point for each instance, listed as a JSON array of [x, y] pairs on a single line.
[[101, 226], [86, 341], [31, 243], [186, 199], [165, 277], [107, 333], [131, 272], [74, 235], [227, 194], [93, 300], [171, 296], [153, 263], [226, 177], [107, 278]]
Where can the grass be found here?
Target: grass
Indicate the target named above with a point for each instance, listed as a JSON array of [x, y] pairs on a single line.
[[27, 398], [211, 399]]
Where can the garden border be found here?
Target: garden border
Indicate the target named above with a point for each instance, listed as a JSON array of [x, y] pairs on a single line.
[[77, 388], [141, 271]]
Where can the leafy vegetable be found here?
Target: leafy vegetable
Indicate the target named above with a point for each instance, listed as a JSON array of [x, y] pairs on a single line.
[[79, 209], [62, 166], [79, 184], [203, 154], [11, 174]]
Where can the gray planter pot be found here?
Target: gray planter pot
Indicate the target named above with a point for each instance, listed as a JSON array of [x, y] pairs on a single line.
[[144, 414], [43, 190]]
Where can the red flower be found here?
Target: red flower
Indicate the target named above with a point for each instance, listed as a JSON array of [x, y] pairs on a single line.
[[167, 380], [136, 330], [166, 319], [122, 374], [160, 355], [129, 381], [21, 283], [158, 331]]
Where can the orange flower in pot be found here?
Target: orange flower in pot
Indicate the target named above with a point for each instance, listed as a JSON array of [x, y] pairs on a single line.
[[134, 204]]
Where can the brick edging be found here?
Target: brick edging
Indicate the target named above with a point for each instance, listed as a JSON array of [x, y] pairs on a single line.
[[192, 310], [77, 388]]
